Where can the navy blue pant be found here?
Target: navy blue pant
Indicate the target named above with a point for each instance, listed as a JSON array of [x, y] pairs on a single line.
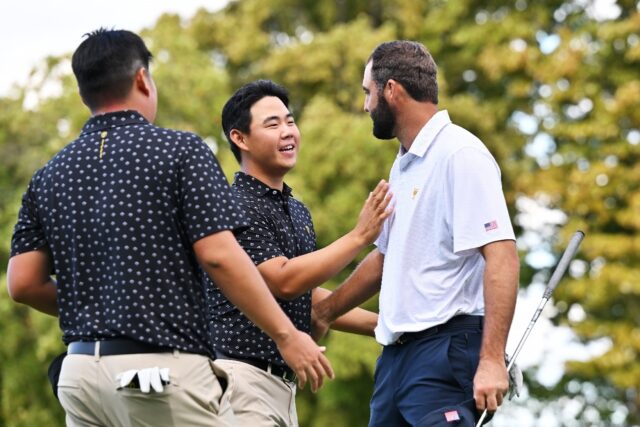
[[432, 369]]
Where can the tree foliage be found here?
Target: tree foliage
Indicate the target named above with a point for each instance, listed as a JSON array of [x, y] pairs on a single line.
[[552, 90]]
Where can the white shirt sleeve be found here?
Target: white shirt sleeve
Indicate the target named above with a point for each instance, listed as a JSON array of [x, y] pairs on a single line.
[[383, 239], [479, 210]]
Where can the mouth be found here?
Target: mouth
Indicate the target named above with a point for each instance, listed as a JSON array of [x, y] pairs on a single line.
[[287, 148]]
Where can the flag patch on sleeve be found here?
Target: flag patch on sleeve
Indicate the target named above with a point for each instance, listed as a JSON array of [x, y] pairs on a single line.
[[491, 225]]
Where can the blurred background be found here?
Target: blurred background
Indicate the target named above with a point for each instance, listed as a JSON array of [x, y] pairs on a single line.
[[551, 87]]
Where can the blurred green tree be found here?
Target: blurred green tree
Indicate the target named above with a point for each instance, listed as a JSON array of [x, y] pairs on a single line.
[[551, 88]]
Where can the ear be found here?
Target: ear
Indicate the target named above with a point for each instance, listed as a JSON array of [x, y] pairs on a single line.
[[142, 81], [394, 92], [239, 139], [391, 89]]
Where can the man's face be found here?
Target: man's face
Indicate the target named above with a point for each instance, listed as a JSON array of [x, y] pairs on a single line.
[[274, 138], [384, 121]]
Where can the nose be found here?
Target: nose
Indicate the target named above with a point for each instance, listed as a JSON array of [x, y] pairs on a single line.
[[288, 131], [365, 106]]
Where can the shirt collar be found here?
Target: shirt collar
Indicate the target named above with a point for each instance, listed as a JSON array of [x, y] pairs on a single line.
[[424, 139], [428, 133], [254, 185], [112, 120]]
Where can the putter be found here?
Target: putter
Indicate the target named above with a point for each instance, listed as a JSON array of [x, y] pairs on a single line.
[[567, 256]]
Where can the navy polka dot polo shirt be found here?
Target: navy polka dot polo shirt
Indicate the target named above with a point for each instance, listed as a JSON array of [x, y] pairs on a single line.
[[120, 208], [279, 225]]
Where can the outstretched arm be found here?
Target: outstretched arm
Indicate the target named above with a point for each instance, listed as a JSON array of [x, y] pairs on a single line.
[[500, 290], [356, 321], [361, 285], [232, 270], [28, 280], [291, 278]]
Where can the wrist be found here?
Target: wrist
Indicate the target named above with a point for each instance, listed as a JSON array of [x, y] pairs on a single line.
[[492, 356], [357, 239], [284, 335], [322, 311]]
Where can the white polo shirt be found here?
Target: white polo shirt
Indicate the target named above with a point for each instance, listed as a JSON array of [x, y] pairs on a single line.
[[448, 203]]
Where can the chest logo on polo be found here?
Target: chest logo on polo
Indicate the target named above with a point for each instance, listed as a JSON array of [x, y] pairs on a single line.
[[414, 192]]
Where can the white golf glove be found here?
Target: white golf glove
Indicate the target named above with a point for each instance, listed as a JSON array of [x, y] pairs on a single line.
[[516, 381], [148, 378]]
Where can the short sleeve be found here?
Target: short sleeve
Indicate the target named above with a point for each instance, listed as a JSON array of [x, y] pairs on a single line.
[[28, 234], [258, 238], [383, 239], [479, 209], [206, 203]]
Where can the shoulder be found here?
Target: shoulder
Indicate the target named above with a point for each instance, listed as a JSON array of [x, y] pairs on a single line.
[[185, 138], [460, 143], [299, 209], [251, 205], [298, 205]]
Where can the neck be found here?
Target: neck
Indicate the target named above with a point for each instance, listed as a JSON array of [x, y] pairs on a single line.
[[276, 182], [410, 121], [121, 106]]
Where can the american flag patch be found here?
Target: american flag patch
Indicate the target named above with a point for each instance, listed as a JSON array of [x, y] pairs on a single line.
[[491, 225], [452, 416]]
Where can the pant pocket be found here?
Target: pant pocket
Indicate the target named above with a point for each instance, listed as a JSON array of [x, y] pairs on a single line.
[[226, 381], [460, 363]]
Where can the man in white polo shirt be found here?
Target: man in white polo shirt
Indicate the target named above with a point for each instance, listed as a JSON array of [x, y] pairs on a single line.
[[446, 264]]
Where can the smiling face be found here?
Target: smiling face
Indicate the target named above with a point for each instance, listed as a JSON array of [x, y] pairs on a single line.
[[270, 149], [384, 121]]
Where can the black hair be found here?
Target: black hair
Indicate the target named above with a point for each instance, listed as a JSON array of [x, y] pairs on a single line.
[[410, 64], [106, 63], [236, 113]]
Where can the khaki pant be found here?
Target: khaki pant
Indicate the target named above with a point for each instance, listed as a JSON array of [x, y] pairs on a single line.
[[89, 393], [258, 398]]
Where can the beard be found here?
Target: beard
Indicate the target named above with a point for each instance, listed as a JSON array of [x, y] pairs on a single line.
[[384, 121]]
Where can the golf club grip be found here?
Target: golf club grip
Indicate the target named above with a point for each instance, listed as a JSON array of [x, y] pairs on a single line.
[[567, 256]]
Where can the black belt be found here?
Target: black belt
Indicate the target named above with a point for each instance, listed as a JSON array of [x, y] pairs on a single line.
[[284, 372], [112, 347], [456, 322]]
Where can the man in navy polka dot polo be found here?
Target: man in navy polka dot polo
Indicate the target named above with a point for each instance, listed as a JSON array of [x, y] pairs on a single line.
[[129, 217], [281, 241]]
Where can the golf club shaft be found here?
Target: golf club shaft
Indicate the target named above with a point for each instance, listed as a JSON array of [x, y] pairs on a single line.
[[561, 268]]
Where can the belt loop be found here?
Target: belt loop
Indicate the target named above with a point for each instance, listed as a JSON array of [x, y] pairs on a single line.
[[96, 351], [176, 353]]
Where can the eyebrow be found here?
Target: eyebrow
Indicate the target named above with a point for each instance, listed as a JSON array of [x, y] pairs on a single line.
[[365, 89], [268, 119]]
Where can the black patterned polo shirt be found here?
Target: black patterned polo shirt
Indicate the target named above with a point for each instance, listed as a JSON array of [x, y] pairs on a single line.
[[120, 208], [279, 225]]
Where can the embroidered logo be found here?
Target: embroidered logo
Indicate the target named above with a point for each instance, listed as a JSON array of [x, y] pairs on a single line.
[[491, 225], [452, 416], [414, 193]]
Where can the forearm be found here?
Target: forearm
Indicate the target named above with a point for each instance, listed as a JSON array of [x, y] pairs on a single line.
[[291, 278], [361, 285], [238, 279], [42, 298], [500, 291], [29, 283], [356, 321]]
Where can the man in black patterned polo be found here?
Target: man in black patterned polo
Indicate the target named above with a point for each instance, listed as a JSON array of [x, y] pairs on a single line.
[[127, 216], [281, 241]]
